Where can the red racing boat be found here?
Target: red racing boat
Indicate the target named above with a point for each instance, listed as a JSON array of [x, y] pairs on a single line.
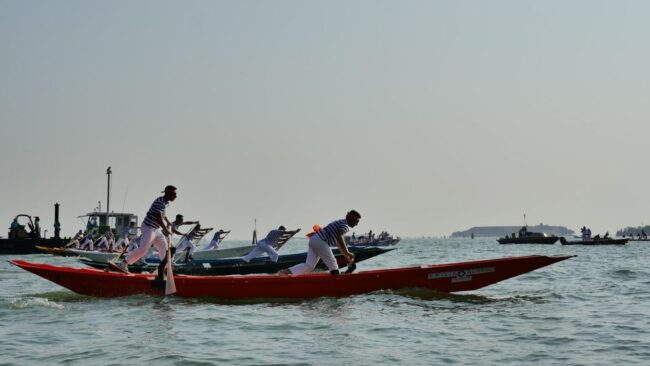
[[452, 277]]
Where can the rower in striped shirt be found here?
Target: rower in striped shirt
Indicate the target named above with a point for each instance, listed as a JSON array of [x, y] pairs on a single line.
[[320, 243], [155, 227]]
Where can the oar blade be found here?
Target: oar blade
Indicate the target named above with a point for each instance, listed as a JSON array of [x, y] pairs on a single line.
[[170, 285]]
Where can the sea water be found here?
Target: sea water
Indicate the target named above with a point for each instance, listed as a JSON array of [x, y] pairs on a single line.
[[593, 309]]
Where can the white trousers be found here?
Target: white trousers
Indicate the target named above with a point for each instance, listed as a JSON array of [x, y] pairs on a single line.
[[186, 243], [102, 244], [119, 243], [87, 245], [318, 249], [261, 247], [150, 236], [214, 244]]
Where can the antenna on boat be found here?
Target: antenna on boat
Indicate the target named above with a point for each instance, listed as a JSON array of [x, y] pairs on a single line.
[[108, 193]]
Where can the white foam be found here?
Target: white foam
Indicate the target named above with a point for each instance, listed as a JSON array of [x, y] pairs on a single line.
[[28, 302]]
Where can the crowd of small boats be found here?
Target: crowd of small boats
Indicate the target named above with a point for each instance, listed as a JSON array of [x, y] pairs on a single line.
[[527, 237]]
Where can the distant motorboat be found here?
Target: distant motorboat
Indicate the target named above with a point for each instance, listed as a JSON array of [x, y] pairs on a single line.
[[369, 240], [528, 237]]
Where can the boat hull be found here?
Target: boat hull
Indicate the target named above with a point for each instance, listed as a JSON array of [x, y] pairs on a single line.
[[58, 251], [529, 240], [212, 254], [28, 246], [595, 242], [206, 255], [222, 267], [374, 243], [453, 277]]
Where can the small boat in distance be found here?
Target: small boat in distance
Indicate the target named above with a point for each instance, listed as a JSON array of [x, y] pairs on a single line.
[[595, 241], [528, 237], [370, 240]]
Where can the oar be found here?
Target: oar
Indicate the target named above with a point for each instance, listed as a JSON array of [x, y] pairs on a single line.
[[170, 285], [123, 251], [177, 256]]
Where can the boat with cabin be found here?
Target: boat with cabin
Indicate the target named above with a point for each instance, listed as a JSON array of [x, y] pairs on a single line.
[[370, 240], [528, 237]]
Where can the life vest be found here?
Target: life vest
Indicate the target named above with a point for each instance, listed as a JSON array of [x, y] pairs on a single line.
[[315, 229]]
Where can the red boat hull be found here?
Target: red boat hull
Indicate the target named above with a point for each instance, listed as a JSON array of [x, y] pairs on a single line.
[[453, 277]]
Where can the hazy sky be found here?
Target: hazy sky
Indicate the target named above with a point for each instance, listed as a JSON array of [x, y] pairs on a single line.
[[426, 116]]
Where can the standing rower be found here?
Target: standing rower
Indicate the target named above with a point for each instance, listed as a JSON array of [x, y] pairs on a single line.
[[155, 227], [266, 245], [320, 242], [216, 239]]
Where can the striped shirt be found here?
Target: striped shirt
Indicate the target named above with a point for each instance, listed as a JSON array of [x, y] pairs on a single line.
[[333, 230], [158, 206]]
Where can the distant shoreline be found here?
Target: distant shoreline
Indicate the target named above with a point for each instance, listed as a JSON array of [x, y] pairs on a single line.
[[500, 231]]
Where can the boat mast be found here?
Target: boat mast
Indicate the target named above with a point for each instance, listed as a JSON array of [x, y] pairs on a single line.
[[108, 193]]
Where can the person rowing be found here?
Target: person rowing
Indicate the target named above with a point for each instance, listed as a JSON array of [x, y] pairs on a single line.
[[124, 236], [155, 227], [74, 242], [267, 244], [320, 242], [178, 222], [216, 239], [88, 240], [105, 242], [188, 241]]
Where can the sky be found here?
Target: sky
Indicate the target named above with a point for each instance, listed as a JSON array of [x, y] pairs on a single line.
[[427, 117]]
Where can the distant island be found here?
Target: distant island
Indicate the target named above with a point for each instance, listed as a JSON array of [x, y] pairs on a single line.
[[500, 231]]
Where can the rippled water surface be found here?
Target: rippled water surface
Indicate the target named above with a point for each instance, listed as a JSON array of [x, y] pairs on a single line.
[[590, 310]]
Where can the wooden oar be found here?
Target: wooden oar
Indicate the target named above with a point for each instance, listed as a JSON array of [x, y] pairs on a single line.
[[170, 285]]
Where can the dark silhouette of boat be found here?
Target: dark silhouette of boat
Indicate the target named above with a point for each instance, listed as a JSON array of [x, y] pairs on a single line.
[[595, 241], [370, 240], [528, 237], [25, 235]]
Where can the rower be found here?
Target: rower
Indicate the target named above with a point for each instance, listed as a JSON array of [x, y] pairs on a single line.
[[74, 242], [105, 242], [188, 242], [266, 245], [178, 222], [217, 238], [319, 246], [89, 239], [152, 232], [123, 240]]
